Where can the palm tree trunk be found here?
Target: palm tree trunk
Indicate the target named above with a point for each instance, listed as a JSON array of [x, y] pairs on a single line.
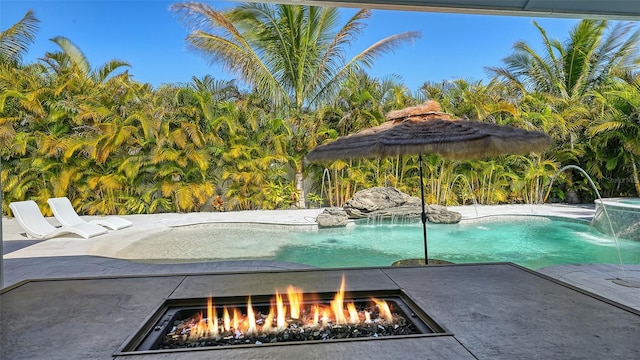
[[339, 194], [397, 171], [300, 187], [636, 178]]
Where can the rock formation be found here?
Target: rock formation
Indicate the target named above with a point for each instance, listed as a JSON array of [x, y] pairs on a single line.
[[386, 203], [440, 215], [332, 217]]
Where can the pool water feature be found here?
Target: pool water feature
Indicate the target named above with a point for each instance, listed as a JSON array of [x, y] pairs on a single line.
[[530, 241], [624, 214], [606, 219]]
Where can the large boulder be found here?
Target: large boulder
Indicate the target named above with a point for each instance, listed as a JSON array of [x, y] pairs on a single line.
[[440, 215], [332, 217], [380, 200], [391, 203]]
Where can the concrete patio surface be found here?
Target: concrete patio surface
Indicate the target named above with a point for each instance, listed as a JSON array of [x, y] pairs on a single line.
[[490, 311]]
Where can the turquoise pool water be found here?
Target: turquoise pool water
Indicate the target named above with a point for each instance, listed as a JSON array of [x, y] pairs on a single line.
[[533, 242], [632, 201], [530, 242]]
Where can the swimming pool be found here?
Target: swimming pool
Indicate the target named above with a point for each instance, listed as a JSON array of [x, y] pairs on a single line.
[[533, 242]]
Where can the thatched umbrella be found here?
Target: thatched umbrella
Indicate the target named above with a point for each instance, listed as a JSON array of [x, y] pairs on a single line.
[[426, 129]]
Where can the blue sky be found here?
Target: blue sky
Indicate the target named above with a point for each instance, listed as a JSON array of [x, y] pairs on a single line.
[[147, 35]]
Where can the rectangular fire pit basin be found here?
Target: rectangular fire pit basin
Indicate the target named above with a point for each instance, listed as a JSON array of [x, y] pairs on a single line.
[[151, 336]]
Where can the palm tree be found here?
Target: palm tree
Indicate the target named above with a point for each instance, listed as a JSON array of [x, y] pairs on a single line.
[[396, 95], [253, 162], [72, 64], [358, 104], [560, 80], [17, 82], [292, 54], [587, 59], [617, 127], [556, 88], [15, 40]]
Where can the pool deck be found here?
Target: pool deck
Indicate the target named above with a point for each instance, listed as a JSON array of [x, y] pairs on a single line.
[[493, 311], [72, 256]]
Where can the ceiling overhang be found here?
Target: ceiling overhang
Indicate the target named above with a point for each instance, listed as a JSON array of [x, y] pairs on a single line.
[[580, 9]]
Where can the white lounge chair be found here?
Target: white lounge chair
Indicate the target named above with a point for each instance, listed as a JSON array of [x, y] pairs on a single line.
[[67, 215], [33, 222]]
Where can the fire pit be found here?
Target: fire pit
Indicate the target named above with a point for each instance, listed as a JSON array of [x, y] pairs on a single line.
[[290, 317]]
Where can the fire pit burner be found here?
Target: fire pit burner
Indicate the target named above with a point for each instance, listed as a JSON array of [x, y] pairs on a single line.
[[294, 318], [173, 326]]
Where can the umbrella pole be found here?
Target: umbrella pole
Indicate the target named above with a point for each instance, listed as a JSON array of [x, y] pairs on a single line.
[[424, 213]]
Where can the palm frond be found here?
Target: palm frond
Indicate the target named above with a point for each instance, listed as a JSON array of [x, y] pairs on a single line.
[[15, 40], [107, 70], [74, 54], [366, 58], [229, 48]]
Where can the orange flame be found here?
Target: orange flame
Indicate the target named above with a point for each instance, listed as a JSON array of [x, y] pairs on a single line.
[[236, 319], [251, 318], [280, 312], [337, 305], [212, 318], [197, 327], [268, 322], [226, 319], [353, 313], [383, 307], [325, 316], [295, 299], [314, 315]]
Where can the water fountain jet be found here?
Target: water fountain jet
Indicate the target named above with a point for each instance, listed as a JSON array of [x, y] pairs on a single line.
[[625, 281]]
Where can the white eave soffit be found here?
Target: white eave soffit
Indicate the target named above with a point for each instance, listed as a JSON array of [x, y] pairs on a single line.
[[581, 9]]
